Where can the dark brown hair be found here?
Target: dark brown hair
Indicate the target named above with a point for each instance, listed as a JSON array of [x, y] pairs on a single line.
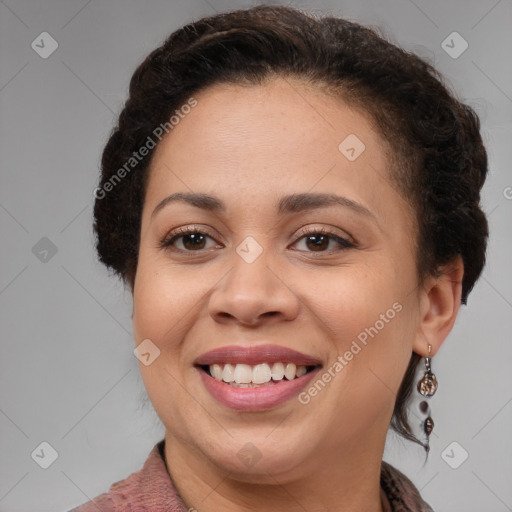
[[438, 159]]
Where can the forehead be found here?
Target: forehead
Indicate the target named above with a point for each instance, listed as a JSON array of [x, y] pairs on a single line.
[[278, 116], [282, 137]]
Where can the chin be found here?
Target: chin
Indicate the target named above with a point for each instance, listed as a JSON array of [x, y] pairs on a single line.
[[254, 459]]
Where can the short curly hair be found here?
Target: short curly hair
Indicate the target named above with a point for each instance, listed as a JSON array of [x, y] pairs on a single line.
[[439, 162]]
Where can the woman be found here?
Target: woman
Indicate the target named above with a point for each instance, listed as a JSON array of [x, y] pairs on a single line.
[[295, 204]]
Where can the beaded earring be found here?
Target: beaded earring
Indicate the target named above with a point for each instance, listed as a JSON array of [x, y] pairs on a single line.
[[427, 386]]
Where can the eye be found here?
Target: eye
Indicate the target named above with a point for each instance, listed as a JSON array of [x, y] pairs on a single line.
[[188, 239], [193, 239], [321, 240]]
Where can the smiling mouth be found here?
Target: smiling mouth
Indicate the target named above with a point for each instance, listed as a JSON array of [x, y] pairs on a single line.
[[254, 376]]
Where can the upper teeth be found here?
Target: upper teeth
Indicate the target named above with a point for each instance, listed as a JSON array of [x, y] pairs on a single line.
[[257, 374]]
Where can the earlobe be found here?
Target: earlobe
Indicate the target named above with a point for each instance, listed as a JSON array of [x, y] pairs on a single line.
[[439, 305]]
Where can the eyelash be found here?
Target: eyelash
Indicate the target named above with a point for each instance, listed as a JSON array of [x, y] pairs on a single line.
[[169, 240]]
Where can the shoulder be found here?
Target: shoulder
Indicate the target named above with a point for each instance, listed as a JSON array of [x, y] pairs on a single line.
[[102, 502], [150, 488], [401, 492]]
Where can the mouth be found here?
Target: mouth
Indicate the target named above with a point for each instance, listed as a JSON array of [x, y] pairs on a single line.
[[255, 378]]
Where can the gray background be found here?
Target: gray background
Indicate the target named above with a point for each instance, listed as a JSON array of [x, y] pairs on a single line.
[[67, 371]]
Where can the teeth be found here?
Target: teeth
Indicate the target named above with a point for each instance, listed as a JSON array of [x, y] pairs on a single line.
[[228, 374], [277, 371], [289, 371], [301, 370], [261, 373], [245, 375], [251, 385], [216, 371]]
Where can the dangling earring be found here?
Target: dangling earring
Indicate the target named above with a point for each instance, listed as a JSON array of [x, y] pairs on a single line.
[[427, 386]]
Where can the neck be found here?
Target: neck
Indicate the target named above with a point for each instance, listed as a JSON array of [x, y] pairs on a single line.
[[345, 482]]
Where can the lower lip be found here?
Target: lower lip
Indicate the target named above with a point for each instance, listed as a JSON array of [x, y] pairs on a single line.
[[255, 399]]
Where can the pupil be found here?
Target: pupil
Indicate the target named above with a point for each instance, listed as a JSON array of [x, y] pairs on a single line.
[[322, 244], [194, 240]]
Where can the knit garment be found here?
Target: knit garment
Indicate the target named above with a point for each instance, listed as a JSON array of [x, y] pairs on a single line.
[[151, 490]]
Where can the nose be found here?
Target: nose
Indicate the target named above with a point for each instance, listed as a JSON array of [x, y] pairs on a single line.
[[251, 294]]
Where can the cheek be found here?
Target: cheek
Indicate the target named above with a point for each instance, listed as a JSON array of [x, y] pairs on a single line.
[[369, 316], [165, 308], [164, 301], [364, 314], [350, 300]]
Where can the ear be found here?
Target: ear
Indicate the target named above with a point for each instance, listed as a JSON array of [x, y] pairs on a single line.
[[440, 298]]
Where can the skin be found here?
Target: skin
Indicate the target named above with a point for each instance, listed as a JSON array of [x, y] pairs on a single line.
[[249, 146]]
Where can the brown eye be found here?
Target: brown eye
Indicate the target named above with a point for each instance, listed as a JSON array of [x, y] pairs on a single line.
[[188, 240], [322, 241], [194, 241], [317, 242]]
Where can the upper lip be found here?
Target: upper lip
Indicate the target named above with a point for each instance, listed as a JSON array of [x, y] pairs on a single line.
[[255, 354]]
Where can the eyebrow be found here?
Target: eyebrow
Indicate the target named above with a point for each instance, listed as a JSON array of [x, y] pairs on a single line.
[[293, 203]]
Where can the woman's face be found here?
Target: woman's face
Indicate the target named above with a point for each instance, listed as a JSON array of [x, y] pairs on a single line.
[[297, 250]]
